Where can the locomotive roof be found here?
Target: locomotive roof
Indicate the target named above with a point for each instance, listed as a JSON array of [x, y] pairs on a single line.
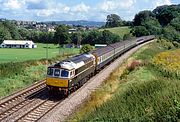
[[75, 61], [79, 58]]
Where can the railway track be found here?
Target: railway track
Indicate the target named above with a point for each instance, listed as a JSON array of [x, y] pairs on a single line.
[[18, 100], [39, 110]]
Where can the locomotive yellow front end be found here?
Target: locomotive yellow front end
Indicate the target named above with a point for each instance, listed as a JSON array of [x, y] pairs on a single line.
[[57, 77]]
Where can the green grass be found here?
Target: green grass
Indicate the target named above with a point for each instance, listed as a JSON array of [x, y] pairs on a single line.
[[26, 78], [16, 55], [140, 95], [14, 76], [121, 31]]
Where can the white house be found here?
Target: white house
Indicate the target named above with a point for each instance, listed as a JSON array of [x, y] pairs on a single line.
[[18, 44], [72, 30]]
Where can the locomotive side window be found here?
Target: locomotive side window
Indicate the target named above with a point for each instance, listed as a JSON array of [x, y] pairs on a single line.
[[50, 71], [71, 73], [57, 72], [64, 73]]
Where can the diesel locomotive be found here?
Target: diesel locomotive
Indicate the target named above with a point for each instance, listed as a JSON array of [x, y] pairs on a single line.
[[70, 74]]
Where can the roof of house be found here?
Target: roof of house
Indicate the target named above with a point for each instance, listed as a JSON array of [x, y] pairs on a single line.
[[18, 42]]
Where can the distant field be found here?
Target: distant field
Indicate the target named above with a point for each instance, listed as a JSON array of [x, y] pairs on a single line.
[[15, 55], [119, 30]]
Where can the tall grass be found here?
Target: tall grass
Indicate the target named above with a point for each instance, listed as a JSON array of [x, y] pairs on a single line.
[[142, 99], [168, 62], [139, 92]]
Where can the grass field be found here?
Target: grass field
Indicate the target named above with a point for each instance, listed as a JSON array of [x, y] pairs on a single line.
[[15, 55], [121, 31], [135, 92]]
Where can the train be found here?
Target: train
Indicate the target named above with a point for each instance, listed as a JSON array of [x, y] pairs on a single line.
[[70, 74]]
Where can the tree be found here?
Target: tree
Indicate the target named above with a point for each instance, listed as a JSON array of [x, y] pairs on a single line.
[[113, 20], [91, 37], [76, 38], [61, 35], [4, 32], [140, 31], [175, 23], [86, 48], [170, 33], [142, 16], [152, 25], [12, 29], [108, 37], [24, 33], [167, 13]]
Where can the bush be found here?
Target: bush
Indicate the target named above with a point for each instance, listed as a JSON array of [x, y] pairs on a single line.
[[140, 31], [176, 44], [127, 36], [166, 44], [86, 48]]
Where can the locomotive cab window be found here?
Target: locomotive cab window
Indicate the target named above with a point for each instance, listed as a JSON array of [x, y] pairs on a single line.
[[64, 73], [56, 72], [50, 71]]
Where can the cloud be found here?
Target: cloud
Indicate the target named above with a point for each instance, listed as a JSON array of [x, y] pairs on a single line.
[[73, 10], [52, 9], [162, 2], [112, 5], [80, 8], [13, 4]]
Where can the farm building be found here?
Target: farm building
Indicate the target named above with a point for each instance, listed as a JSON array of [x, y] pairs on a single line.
[[18, 44]]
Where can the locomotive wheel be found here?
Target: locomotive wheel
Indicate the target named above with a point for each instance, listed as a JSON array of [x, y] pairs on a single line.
[[66, 93]]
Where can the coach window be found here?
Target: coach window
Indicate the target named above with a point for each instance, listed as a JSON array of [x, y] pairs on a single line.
[[57, 72]]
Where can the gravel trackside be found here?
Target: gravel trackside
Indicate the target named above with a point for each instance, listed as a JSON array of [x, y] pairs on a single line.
[[70, 104]]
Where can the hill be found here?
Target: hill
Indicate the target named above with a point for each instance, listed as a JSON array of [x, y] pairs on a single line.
[[79, 22], [121, 31]]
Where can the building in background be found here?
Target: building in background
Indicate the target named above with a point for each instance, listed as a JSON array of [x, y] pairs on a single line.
[[100, 45], [18, 44]]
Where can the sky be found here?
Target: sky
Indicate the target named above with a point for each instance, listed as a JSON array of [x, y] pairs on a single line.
[[92, 10]]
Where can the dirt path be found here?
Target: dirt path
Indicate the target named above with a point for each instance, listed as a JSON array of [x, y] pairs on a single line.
[[70, 104]]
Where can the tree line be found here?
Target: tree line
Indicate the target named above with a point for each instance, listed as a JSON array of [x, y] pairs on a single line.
[[9, 30], [163, 21]]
